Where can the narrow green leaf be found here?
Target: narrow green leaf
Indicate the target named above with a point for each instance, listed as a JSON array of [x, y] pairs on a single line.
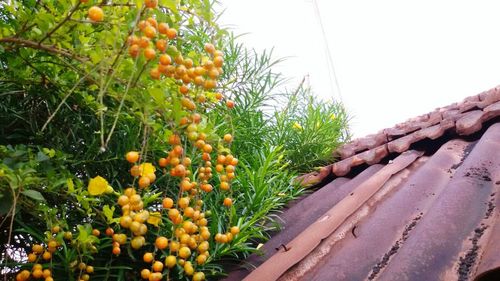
[[34, 195], [37, 30], [71, 185]]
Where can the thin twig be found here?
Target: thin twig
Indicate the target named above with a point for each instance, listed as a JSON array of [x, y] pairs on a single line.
[[9, 235], [62, 102], [61, 23], [101, 111], [140, 73], [25, 25], [120, 106], [35, 45], [37, 70], [24, 28], [118, 4], [129, 33], [103, 90]]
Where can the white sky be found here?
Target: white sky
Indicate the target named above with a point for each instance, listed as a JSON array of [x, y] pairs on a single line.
[[394, 59]]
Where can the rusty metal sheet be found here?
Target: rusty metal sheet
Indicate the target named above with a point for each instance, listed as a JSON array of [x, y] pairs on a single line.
[[298, 217], [451, 240], [370, 242], [448, 241], [490, 260], [306, 241]]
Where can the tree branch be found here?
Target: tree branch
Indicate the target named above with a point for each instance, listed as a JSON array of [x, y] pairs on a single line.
[[61, 23], [25, 25], [47, 48], [131, 31]]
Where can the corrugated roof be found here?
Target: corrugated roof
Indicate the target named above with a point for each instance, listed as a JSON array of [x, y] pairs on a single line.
[[426, 211]]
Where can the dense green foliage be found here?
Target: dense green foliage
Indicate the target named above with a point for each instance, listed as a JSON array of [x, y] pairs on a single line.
[[73, 102]]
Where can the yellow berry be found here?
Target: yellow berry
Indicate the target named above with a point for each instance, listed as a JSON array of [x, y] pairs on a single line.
[[170, 261], [96, 14], [148, 257], [184, 252]]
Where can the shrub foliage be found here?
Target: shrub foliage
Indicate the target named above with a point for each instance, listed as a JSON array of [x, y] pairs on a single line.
[[136, 141]]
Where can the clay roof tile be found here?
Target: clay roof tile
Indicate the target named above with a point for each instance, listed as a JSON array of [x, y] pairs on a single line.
[[402, 215]]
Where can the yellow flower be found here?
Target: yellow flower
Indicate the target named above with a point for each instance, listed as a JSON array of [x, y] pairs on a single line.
[[147, 168], [109, 189], [154, 218], [97, 186], [297, 126], [332, 116]]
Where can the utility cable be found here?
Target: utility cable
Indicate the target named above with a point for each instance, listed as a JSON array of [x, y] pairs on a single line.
[[331, 67]]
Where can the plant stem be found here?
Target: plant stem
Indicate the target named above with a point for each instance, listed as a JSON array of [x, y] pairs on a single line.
[[62, 102], [122, 101], [47, 48], [61, 23]]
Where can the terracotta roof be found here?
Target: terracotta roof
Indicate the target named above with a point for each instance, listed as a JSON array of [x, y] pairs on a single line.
[[414, 202]]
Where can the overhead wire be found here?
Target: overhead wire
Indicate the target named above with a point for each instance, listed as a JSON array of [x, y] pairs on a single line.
[[331, 67]]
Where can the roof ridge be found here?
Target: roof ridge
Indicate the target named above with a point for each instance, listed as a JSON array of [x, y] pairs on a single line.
[[463, 118]]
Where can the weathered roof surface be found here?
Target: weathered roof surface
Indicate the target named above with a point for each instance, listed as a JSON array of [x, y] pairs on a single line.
[[426, 211], [464, 118]]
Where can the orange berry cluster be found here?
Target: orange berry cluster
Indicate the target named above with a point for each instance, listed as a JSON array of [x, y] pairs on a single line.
[[153, 42], [41, 254], [145, 171], [190, 243], [134, 218], [228, 236], [37, 272], [180, 165], [189, 246]]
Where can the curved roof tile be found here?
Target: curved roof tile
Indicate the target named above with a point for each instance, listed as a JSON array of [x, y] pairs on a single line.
[[422, 206]]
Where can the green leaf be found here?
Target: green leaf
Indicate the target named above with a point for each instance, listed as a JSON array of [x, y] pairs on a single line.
[[37, 30], [177, 109], [167, 133], [83, 232], [157, 95], [96, 57], [150, 198], [71, 185], [171, 4], [50, 152], [40, 157], [34, 195], [108, 213]]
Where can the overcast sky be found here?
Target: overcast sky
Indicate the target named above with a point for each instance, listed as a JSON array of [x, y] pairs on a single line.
[[393, 59]]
